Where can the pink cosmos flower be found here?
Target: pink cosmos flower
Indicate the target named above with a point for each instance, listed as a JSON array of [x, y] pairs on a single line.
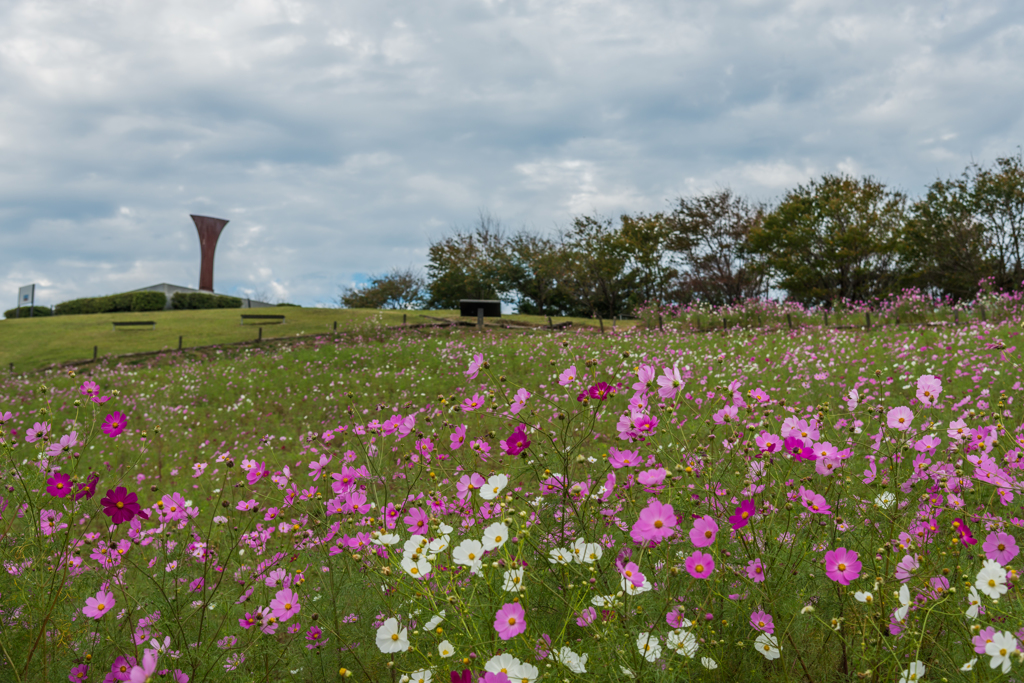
[[1001, 547], [657, 521], [568, 376], [755, 570], [842, 565], [144, 673], [619, 459], [120, 505], [59, 485], [815, 502], [317, 468], [768, 443], [114, 424], [758, 395], [66, 443], [928, 389], [725, 415], [631, 572], [700, 565], [762, 621], [586, 617], [458, 437], [670, 383], [645, 424], [519, 401], [960, 528], [653, 477], [472, 403], [37, 431], [98, 606], [600, 391], [285, 604], [469, 483], [417, 521], [475, 365], [79, 673], [703, 532], [798, 448], [510, 621], [900, 418], [744, 511], [517, 441]]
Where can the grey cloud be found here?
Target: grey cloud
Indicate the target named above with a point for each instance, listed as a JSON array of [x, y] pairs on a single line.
[[339, 137]]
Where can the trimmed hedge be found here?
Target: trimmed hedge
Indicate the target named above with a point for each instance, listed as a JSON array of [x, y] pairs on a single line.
[[39, 312], [189, 301], [116, 303]]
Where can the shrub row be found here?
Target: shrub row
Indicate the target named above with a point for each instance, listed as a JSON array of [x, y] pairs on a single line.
[[25, 312], [116, 303], [196, 300]]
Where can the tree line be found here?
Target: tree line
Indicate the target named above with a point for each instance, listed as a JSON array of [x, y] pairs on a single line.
[[836, 238]]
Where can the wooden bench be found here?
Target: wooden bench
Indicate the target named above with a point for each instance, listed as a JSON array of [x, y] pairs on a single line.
[[278, 318], [135, 323]]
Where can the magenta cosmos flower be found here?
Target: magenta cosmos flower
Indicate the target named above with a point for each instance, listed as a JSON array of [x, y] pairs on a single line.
[[516, 442], [744, 511], [842, 565], [657, 521], [120, 505], [703, 532], [417, 521], [700, 565], [98, 606], [114, 424], [59, 485], [966, 537], [755, 570], [510, 621], [900, 418], [1001, 547], [285, 604]]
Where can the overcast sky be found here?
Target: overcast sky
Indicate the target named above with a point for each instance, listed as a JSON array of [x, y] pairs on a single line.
[[339, 137]]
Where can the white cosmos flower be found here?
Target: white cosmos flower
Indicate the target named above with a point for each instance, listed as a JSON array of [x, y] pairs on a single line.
[[864, 596], [414, 544], [444, 528], [421, 676], [391, 638], [649, 646], [572, 661], [503, 663], [683, 642], [913, 673], [524, 673], [432, 624], [386, 539], [439, 544], [885, 500], [1002, 645], [991, 579], [901, 612], [709, 663], [495, 536], [969, 666], [495, 485], [468, 554], [586, 553], [768, 646], [445, 649], [630, 589], [560, 556], [416, 568], [514, 580], [607, 601], [975, 601]]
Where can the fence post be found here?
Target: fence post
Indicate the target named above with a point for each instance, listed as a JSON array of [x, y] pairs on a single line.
[[867, 318], [335, 325], [956, 317], [260, 338], [95, 352], [403, 320], [613, 325], [600, 321], [179, 342], [897, 321], [479, 318], [725, 324], [826, 318], [982, 310], [789, 320]]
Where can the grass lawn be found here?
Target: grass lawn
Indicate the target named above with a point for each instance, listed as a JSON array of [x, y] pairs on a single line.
[[33, 343]]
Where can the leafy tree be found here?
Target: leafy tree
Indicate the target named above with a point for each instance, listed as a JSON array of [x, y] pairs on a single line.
[[598, 280], [709, 235], [836, 237], [946, 249], [997, 196], [398, 289], [645, 238], [462, 265], [530, 269]]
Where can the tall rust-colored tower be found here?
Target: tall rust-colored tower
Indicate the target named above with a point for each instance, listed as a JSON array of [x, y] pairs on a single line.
[[209, 232]]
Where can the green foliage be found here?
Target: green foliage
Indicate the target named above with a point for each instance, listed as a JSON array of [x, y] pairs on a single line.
[[26, 311], [398, 289], [115, 303], [834, 238], [199, 300], [598, 277], [461, 265]]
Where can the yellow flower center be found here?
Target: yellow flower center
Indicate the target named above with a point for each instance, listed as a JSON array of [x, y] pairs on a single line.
[[658, 524], [394, 636], [699, 568]]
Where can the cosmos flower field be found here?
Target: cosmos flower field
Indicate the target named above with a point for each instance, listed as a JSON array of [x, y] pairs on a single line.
[[817, 505]]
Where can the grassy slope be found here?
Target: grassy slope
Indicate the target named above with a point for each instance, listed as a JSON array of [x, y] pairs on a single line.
[[37, 342]]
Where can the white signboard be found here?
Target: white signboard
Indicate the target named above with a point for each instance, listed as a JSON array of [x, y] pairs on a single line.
[[27, 297]]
